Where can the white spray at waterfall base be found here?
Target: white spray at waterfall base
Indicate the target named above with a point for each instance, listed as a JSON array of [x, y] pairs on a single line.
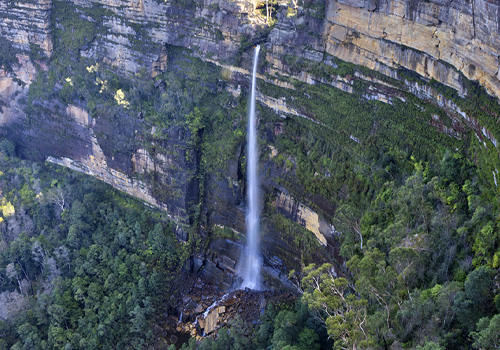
[[251, 261]]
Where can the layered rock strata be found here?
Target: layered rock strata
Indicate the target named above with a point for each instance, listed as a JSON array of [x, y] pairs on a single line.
[[424, 37], [26, 23], [444, 41], [435, 39]]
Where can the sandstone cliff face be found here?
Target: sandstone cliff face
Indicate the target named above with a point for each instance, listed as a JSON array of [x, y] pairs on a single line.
[[443, 41], [212, 29], [26, 23], [14, 88], [435, 39], [424, 37]]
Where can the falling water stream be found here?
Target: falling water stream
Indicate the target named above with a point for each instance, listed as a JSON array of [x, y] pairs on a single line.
[[252, 261]]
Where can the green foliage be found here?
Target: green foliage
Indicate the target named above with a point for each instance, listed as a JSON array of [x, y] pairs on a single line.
[[195, 124], [187, 4], [476, 300], [417, 236], [427, 315], [416, 222], [430, 346], [268, 9], [97, 267], [341, 68], [487, 239], [7, 54], [74, 30], [290, 332], [343, 312], [298, 237], [282, 326], [218, 34], [488, 335], [225, 233], [234, 338], [245, 42], [317, 8], [7, 148], [431, 292], [36, 53], [412, 76]]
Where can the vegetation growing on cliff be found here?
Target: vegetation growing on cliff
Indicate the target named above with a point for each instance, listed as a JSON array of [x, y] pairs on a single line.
[[422, 272], [418, 231], [81, 265], [7, 55], [425, 250], [416, 213], [415, 210]]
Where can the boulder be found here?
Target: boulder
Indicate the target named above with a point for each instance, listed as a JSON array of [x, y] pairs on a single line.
[[211, 321]]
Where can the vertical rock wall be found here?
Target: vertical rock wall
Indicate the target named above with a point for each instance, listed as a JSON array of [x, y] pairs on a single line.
[[444, 41], [27, 22]]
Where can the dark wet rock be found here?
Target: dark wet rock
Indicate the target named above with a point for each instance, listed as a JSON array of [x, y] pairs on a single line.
[[215, 310]]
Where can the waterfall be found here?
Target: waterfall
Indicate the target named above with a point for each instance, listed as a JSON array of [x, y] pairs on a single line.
[[252, 261]]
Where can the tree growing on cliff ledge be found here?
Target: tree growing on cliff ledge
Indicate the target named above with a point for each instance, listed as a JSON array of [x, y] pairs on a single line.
[[343, 313]]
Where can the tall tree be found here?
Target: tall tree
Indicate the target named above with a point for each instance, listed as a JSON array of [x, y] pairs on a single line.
[[343, 312]]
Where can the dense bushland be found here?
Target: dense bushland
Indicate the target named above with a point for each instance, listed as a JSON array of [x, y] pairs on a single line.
[[81, 265]]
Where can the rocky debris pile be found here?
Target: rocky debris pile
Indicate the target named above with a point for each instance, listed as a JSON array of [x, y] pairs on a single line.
[[205, 309]]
